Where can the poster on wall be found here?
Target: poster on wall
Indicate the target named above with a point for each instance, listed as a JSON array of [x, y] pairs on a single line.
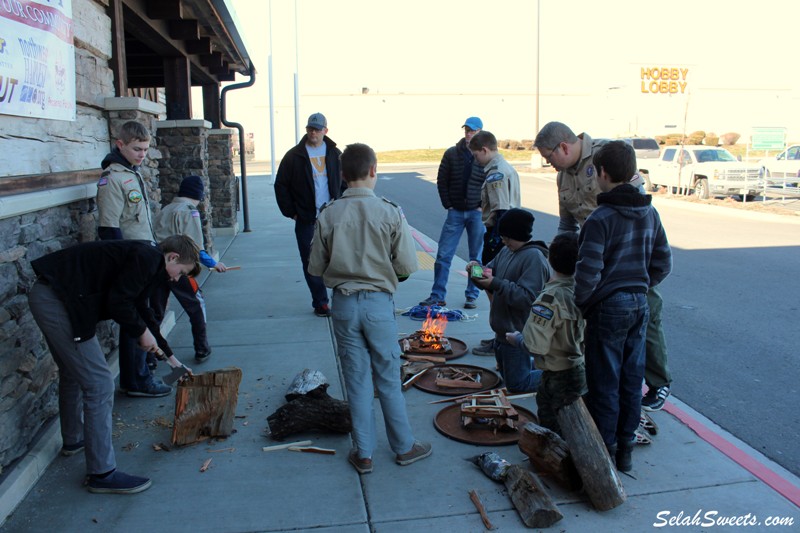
[[37, 59]]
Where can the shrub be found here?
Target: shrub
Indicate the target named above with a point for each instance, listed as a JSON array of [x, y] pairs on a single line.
[[696, 137], [504, 144], [729, 139], [712, 139]]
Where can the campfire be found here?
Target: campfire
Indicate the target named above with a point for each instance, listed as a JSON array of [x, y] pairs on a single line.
[[429, 339]]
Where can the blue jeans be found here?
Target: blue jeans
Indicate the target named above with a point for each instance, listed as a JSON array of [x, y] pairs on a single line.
[[366, 336], [615, 354], [304, 233], [516, 367], [454, 225]]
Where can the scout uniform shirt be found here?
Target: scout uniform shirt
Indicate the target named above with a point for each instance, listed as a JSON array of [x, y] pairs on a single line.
[[180, 217], [577, 187], [122, 203], [362, 242], [500, 191], [554, 330]]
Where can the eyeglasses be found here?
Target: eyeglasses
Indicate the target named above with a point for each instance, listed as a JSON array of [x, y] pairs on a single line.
[[548, 156], [309, 129]]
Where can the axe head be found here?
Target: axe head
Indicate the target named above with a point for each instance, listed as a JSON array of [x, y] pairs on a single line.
[[176, 374]]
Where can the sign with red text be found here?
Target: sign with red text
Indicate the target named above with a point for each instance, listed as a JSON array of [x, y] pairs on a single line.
[[664, 80], [37, 59]]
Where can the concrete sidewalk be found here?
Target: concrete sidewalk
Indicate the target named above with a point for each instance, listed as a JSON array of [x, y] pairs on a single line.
[[260, 320]]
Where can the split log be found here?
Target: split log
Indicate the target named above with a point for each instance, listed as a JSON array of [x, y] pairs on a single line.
[[529, 496], [205, 406], [309, 408], [549, 455], [590, 456]]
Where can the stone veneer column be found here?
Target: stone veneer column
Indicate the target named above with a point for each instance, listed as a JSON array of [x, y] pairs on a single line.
[[184, 148], [224, 185]]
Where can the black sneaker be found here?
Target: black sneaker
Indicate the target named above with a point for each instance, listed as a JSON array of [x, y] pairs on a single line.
[[484, 350], [118, 483], [428, 302], [322, 311], [68, 450], [655, 398], [470, 304], [202, 356], [154, 389]]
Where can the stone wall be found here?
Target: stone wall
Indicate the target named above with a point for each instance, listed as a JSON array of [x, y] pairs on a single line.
[[28, 375], [224, 185], [184, 147]]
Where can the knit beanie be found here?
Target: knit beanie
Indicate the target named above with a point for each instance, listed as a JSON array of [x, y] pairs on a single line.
[[516, 224], [191, 187]]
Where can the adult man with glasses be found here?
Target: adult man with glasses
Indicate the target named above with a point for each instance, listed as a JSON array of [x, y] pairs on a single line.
[[459, 182], [571, 155], [308, 177]]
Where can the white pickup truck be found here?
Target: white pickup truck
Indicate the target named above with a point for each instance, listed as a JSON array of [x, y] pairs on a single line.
[[705, 170]]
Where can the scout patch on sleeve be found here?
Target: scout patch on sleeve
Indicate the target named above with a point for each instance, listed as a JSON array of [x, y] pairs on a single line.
[[495, 176], [195, 214], [542, 311], [134, 197], [102, 181], [548, 298]]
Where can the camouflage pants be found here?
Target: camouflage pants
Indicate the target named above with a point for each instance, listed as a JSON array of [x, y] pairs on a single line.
[[557, 390]]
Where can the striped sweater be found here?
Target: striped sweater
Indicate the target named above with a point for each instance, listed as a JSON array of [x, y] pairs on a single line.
[[622, 246]]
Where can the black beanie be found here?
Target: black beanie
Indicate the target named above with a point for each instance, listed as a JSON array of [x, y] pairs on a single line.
[[191, 187], [516, 224]]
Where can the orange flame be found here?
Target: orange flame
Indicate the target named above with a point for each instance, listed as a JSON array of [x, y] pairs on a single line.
[[433, 329]]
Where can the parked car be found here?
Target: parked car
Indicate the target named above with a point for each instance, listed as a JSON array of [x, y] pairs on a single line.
[[706, 171], [647, 152], [777, 170]]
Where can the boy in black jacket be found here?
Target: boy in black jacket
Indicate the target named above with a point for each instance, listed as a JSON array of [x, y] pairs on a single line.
[[75, 289]]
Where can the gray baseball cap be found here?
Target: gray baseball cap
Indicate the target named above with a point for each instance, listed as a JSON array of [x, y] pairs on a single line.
[[317, 121]]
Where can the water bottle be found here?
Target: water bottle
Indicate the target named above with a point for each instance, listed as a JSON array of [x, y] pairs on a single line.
[[493, 465]]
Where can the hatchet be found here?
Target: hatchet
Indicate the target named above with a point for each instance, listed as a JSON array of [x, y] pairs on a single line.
[[176, 373]]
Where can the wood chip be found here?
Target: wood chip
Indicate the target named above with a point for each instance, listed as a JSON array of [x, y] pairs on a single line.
[[473, 495], [205, 465]]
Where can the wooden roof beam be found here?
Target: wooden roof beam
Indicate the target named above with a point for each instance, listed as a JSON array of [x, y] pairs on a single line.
[[164, 9], [187, 30]]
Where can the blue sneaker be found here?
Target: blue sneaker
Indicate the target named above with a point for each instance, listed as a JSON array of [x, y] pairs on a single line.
[[118, 483]]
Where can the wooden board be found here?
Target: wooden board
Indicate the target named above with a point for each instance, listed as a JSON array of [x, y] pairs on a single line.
[[459, 348]]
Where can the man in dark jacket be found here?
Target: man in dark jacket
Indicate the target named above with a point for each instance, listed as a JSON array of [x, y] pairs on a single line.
[[459, 182], [75, 289], [308, 177]]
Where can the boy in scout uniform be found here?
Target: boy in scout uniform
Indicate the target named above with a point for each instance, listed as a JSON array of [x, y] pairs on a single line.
[[499, 193], [363, 260], [554, 334], [124, 213], [181, 217]]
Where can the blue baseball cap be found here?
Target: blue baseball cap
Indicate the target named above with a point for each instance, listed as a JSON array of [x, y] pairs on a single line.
[[473, 123]]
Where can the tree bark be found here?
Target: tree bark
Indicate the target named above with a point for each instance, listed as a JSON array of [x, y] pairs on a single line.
[[205, 406], [309, 408], [590, 456], [529, 496], [549, 455]]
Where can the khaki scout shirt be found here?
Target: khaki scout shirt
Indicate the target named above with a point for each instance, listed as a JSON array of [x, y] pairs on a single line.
[[122, 203], [554, 330], [180, 217], [500, 191], [577, 187], [362, 242]]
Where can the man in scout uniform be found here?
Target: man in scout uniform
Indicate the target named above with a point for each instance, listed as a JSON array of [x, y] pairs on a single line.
[[363, 260], [554, 333], [572, 155], [124, 213], [499, 193], [181, 217]]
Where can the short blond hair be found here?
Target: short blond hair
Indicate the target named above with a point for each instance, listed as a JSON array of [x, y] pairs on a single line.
[[133, 131]]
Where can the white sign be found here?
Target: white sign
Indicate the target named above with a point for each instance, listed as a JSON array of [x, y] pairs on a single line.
[[37, 59]]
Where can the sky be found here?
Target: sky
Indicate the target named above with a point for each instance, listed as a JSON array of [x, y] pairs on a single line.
[[403, 75]]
